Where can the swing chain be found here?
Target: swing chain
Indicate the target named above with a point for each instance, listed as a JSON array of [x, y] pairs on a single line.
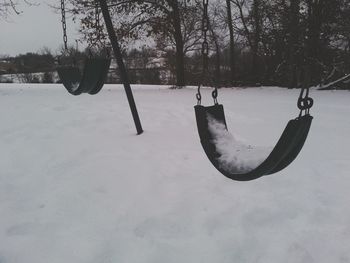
[[205, 28], [64, 25], [205, 48], [98, 23], [304, 101], [205, 53]]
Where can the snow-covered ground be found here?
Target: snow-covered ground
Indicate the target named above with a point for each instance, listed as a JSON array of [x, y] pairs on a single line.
[[78, 186]]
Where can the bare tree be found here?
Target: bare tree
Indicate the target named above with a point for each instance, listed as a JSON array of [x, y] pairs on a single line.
[[8, 7], [166, 20]]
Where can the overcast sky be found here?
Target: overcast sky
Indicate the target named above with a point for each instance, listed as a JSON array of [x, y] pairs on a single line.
[[36, 27]]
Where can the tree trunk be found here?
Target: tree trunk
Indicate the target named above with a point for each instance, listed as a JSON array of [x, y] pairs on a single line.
[[180, 56], [232, 42]]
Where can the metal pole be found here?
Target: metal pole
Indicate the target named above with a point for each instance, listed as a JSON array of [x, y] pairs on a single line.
[[121, 65]]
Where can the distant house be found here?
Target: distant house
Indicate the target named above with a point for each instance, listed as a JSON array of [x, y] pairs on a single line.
[[145, 70], [7, 66]]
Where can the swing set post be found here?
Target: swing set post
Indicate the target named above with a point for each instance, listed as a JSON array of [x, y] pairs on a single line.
[[122, 69]]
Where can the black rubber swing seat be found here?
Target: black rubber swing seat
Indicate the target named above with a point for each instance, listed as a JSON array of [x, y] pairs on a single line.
[[90, 81], [285, 151]]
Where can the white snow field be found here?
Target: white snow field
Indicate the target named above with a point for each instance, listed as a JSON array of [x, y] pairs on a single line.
[[78, 186]]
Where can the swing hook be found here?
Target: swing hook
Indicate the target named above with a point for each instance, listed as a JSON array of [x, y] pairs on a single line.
[[199, 95], [214, 94]]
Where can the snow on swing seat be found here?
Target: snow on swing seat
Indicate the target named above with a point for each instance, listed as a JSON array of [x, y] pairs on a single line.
[[234, 155]]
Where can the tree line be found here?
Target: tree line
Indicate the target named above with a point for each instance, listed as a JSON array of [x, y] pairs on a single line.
[[252, 42]]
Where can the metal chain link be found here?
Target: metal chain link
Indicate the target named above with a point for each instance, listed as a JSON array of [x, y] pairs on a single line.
[[97, 22], [64, 25], [205, 48], [205, 28], [205, 53], [304, 101]]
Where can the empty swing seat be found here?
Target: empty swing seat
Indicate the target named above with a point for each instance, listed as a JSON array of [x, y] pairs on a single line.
[[285, 151], [90, 81]]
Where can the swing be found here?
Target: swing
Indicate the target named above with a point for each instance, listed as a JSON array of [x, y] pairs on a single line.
[[93, 76], [285, 151], [90, 81]]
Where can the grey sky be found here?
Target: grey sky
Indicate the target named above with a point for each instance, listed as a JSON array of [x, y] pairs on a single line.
[[36, 27]]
